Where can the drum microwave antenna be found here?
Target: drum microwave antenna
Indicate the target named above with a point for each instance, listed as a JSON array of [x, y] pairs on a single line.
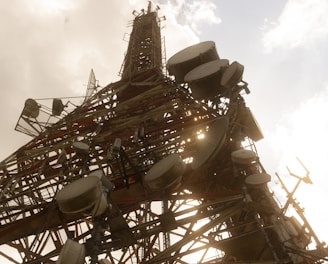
[[125, 177]]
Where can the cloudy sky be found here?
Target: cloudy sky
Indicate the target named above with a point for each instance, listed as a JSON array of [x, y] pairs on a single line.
[[48, 48]]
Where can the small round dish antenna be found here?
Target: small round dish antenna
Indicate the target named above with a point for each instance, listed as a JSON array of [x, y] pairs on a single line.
[[31, 108], [232, 75], [57, 107], [81, 147], [257, 180], [82, 196], [72, 253], [165, 174], [243, 156]]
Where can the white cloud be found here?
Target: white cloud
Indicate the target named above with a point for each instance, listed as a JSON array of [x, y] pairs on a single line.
[[304, 131], [183, 34], [49, 7], [193, 13], [301, 22], [184, 19], [49, 46], [48, 51], [303, 134], [200, 11]]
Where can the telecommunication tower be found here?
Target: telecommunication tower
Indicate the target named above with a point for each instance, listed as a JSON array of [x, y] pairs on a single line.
[[154, 168]]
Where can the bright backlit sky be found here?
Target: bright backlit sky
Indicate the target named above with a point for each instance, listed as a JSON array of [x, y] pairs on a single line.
[[48, 48]]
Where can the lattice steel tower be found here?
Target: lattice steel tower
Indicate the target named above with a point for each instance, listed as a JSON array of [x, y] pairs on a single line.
[[154, 168]]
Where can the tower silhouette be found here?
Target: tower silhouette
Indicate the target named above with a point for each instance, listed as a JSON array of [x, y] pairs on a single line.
[[154, 168]]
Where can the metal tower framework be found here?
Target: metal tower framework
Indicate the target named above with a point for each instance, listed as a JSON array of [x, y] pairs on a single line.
[[145, 49], [206, 215]]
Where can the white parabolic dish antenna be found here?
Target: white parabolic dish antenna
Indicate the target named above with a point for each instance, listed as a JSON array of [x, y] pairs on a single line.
[[212, 143], [189, 58]]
